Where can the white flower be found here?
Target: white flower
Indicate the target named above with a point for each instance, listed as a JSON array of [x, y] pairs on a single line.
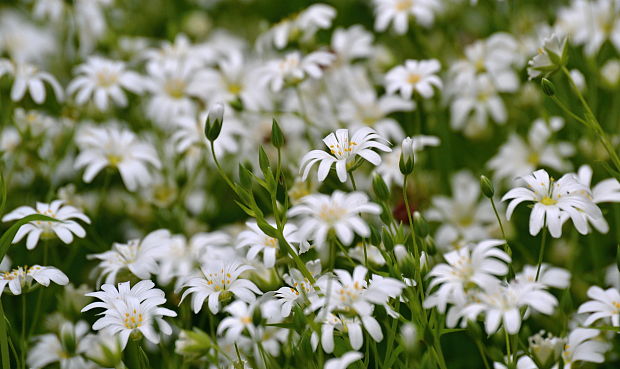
[[65, 348], [604, 304], [172, 89], [299, 290], [549, 276], [479, 266], [294, 68], [474, 103], [518, 157], [220, 280], [352, 43], [340, 212], [137, 256], [117, 148], [22, 279], [343, 361], [240, 320], [464, 217], [607, 190], [398, 12], [258, 241], [582, 345], [351, 292], [415, 76], [351, 326], [302, 25], [344, 151], [64, 229], [553, 199], [103, 79], [28, 78], [501, 303], [551, 56], [131, 309]]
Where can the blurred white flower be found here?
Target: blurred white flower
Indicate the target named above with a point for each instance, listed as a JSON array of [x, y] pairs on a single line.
[[64, 228], [110, 146], [28, 78], [517, 157], [65, 348], [102, 79], [294, 68], [603, 304], [418, 76], [398, 12], [138, 256], [343, 361], [258, 241], [582, 345], [340, 212], [501, 303]]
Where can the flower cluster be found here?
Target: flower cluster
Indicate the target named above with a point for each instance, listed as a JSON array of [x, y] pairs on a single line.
[[277, 184]]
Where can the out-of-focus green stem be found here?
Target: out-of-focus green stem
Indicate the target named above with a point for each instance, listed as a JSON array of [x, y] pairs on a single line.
[[4, 339], [593, 122]]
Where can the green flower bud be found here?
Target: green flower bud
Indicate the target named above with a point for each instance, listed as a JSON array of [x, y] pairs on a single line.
[[277, 137], [213, 126], [380, 188], [407, 159], [487, 186], [548, 87], [420, 225]]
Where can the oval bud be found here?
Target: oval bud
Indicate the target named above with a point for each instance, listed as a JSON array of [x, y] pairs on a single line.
[[548, 87], [213, 127], [407, 159], [380, 188], [486, 186]]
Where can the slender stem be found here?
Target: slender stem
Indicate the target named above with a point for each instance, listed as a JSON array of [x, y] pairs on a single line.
[[567, 111], [594, 123], [219, 167], [24, 338], [352, 181], [501, 227], [410, 217], [543, 243], [508, 354], [4, 338], [482, 354]]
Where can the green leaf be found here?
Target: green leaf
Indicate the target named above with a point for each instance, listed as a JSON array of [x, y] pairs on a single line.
[[2, 192], [7, 237]]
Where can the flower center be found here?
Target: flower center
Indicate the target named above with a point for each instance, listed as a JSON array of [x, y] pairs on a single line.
[[533, 158], [331, 214], [219, 281], [106, 79], [548, 201], [114, 159], [271, 242], [132, 320], [403, 5], [342, 150], [175, 88], [414, 78]]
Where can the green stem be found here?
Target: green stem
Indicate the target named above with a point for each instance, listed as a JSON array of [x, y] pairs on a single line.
[[24, 338], [594, 123], [482, 354], [4, 338], [508, 354], [132, 355], [501, 227], [543, 243]]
